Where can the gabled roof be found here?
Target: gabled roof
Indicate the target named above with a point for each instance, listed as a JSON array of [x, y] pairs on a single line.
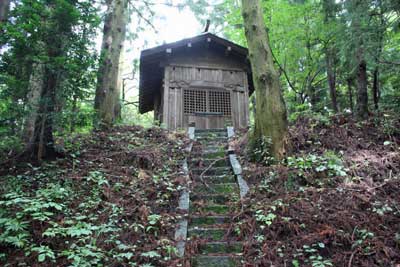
[[151, 73]]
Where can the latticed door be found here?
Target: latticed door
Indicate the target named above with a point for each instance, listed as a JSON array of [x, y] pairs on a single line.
[[220, 101], [207, 108], [194, 101]]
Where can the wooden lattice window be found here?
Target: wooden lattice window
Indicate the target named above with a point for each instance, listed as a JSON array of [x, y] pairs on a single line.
[[194, 101], [220, 101], [202, 100]]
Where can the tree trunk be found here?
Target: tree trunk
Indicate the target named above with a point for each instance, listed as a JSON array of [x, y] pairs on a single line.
[[329, 8], [350, 91], [4, 8], [35, 91], [362, 91], [331, 74], [271, 117], [74, 113], [376, 88], [107, 100], [42, 146], [357, 10], [315, 98], [38, 132], [44, 141]]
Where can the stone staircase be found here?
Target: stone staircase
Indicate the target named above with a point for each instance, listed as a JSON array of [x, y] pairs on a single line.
[[214, 192]]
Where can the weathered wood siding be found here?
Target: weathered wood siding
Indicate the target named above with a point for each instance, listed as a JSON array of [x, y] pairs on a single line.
[[179, 78], [205, 72]]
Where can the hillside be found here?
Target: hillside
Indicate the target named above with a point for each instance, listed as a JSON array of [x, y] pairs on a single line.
[[334, 202], [112, 200]]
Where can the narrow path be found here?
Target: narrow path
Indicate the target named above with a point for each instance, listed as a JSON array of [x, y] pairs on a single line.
[[211, 202]]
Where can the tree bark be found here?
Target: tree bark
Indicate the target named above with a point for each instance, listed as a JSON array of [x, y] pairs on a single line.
[[314, 98], [35, 90], [362, 91], [74, 113], [43, 146], [331, 74], [376, 88], [329, 8], [350, 91], [357, 10], [4, 9], [271, 117], [107, 100], [40, 143]]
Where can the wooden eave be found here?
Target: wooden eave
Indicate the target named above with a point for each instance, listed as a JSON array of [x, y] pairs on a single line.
[[151, 69]]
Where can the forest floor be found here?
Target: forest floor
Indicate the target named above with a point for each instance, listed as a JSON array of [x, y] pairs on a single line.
[[112, 200], [334, 202]]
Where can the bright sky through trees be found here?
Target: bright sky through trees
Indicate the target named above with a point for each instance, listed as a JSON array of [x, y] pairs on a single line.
[[171, 24]]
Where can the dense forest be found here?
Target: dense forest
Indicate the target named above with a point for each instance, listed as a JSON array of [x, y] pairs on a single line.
[[85, 180]]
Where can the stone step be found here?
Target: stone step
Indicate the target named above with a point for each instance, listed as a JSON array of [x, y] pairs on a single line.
[[215, 130], [216, 261], [205, 163], [217, 162], [212, 199], [209, 208], [211, 153], [209, 138], [225, 188], [208, 233], [212, 171], [221, 247], [215, 179], [212, 144], [209, 220], [220, 136]]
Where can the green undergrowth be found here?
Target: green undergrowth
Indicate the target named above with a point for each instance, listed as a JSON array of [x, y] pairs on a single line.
[[110, 202], [333, 201]]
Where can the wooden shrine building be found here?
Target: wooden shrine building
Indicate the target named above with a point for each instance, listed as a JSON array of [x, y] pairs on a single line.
[[204, 80]]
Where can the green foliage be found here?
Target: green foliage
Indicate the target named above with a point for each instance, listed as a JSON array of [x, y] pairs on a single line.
[[329, 163], [363, 237], [259, 151], [43, 253], [381, 208], [266, 219], [18, 209], [58, 35], [313, 257], [267, 214], [76, 212], [302, 32]]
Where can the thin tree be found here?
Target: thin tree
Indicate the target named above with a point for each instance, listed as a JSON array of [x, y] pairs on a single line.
[[107, 100], [4, 8], [271, 117], [44, 81], [329, 7], [358, 10]]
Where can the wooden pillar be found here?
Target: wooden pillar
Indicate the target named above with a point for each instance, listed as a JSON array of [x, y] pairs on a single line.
[[246, 99], [166, 97]]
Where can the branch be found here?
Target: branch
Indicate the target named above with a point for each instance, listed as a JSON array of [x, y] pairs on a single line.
[[321, 80], [134, 103], [144, 18], [284, 73], [160, 3], [389, 62]]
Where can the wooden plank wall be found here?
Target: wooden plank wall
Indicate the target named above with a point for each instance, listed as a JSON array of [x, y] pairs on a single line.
[[178, 78]]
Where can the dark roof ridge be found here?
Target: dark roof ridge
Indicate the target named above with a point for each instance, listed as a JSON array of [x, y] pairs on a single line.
[[197, 38]]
